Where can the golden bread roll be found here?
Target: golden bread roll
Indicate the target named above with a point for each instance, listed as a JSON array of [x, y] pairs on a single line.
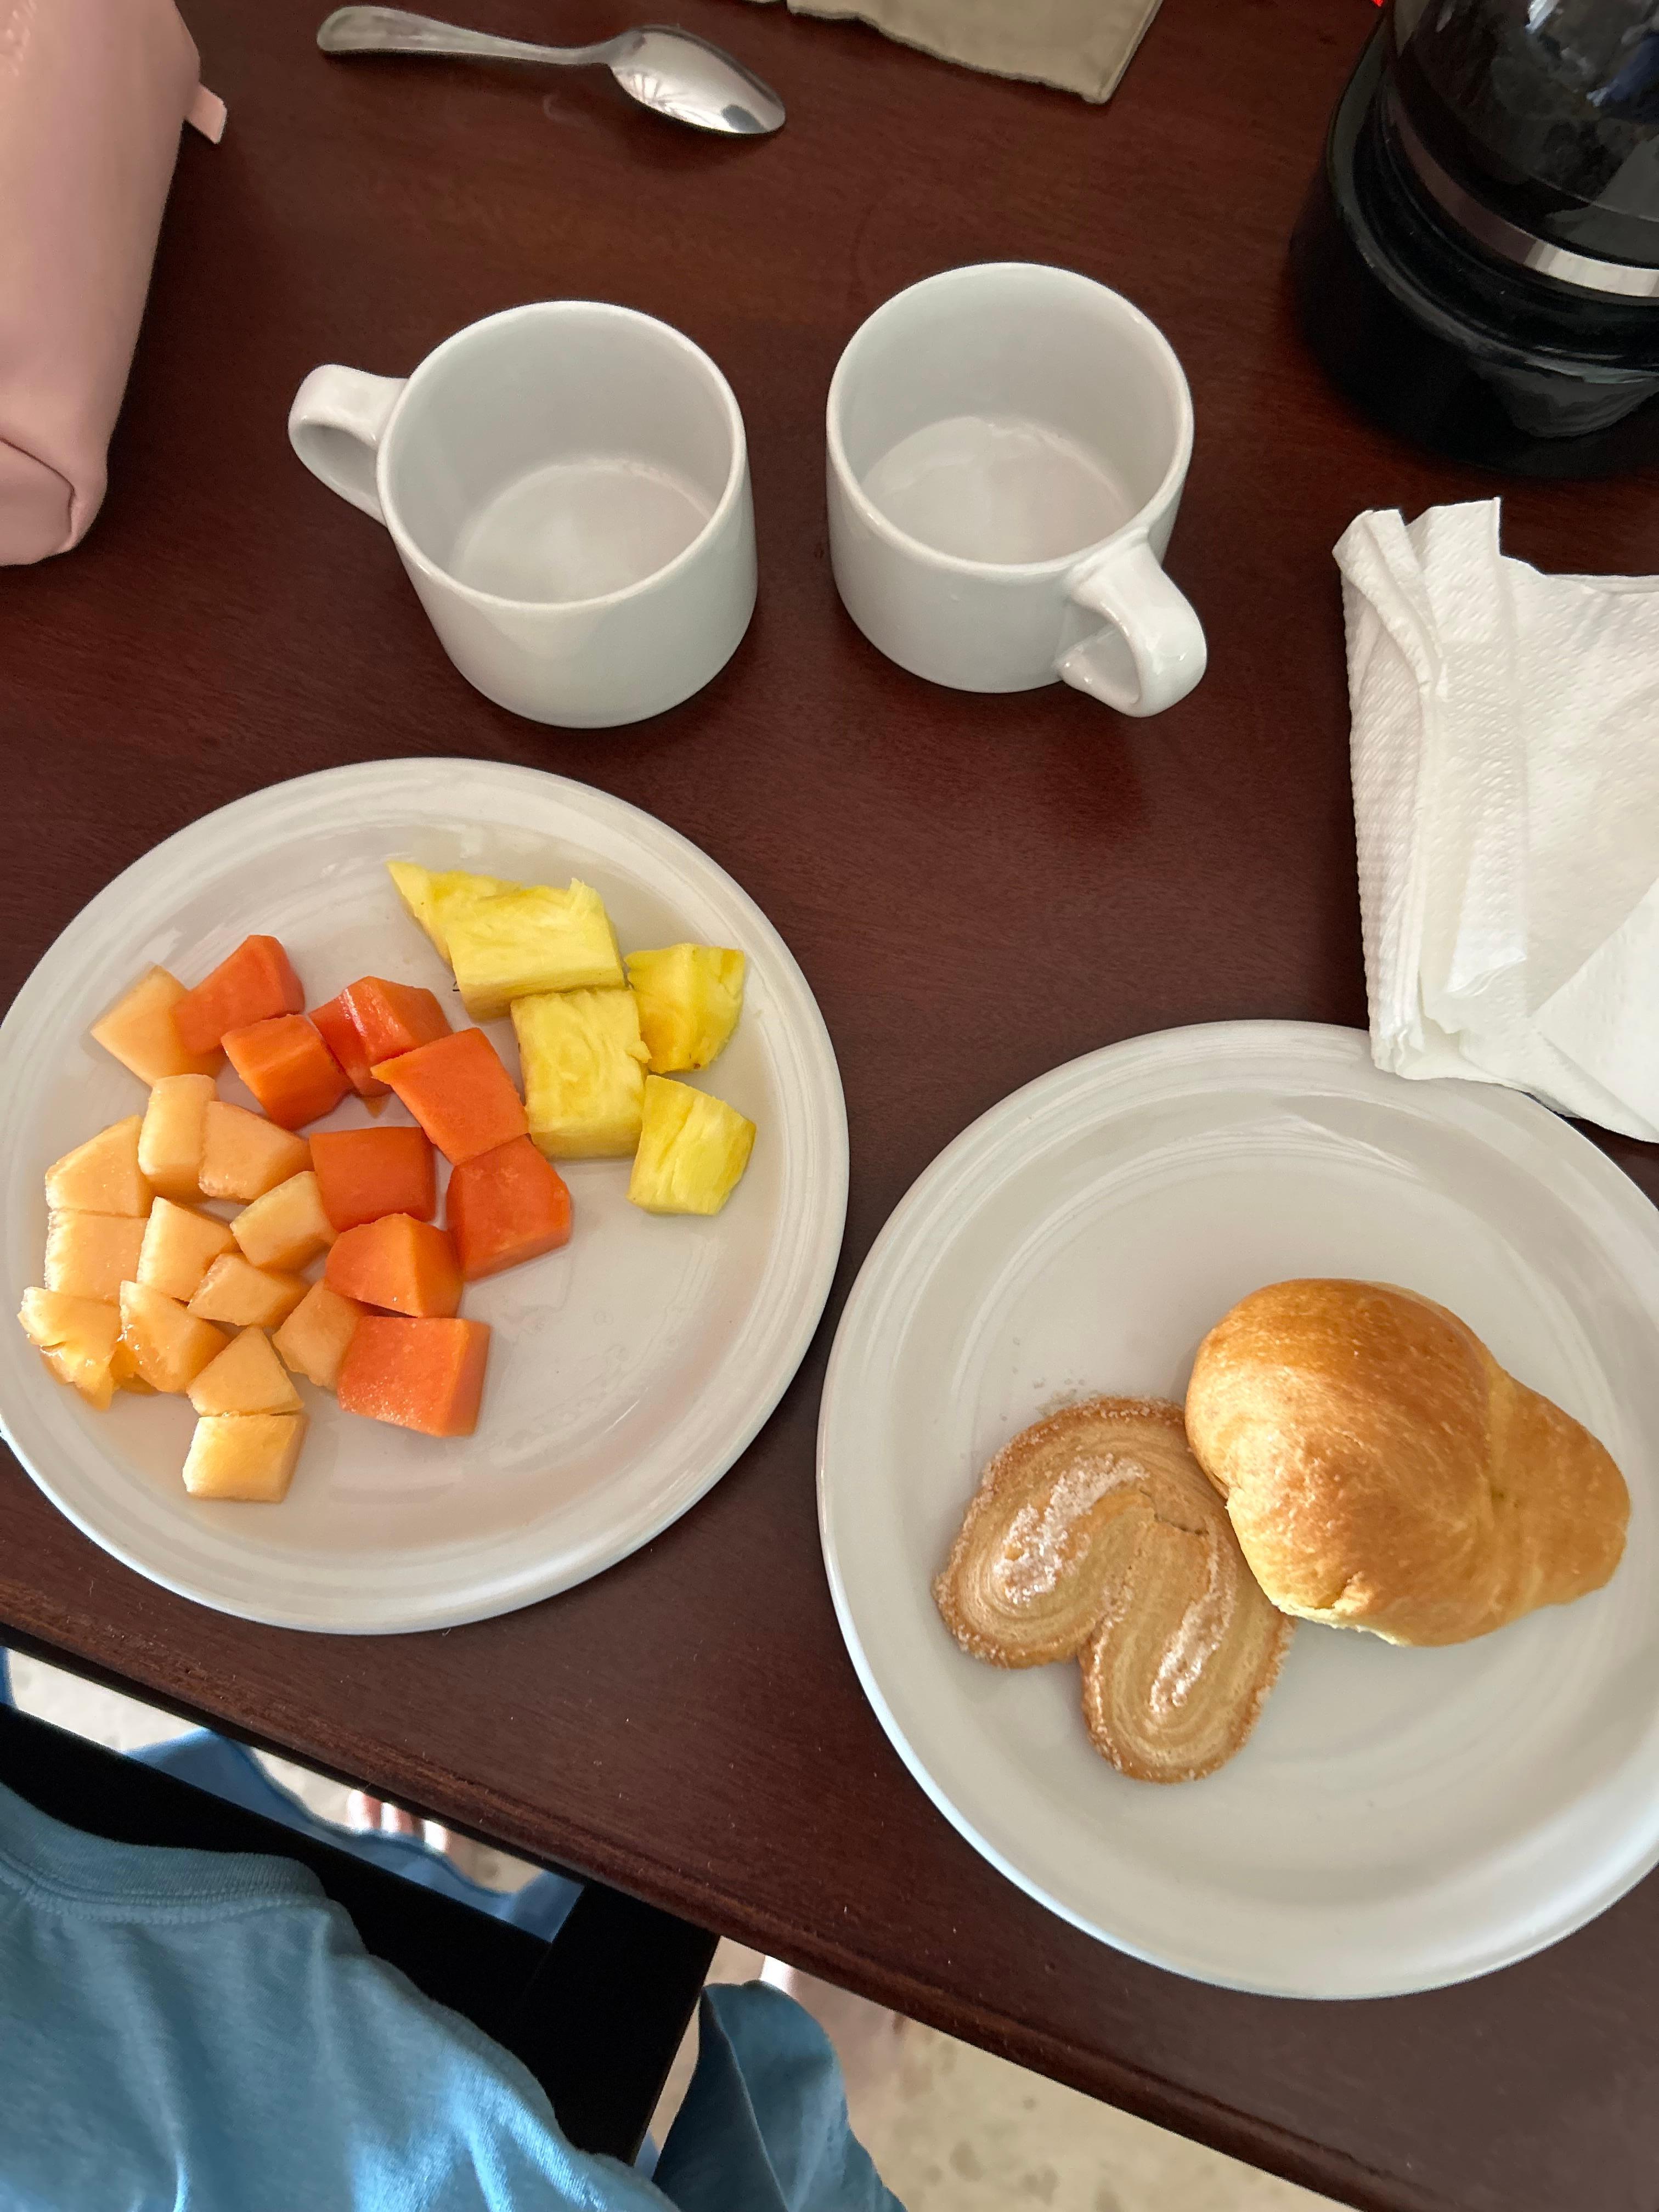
[[1095, 1535], [1382, 1470]]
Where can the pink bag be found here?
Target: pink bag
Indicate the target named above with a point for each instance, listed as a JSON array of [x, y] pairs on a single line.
[[92, 94]]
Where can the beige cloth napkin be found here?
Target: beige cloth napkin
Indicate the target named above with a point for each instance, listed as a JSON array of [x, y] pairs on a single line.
[[1077, 46]]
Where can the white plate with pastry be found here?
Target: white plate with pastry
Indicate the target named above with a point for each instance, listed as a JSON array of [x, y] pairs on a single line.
[[626, 1370], [1401, 1816]]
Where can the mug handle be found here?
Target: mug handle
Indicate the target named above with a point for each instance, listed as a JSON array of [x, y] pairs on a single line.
[[1153, 632], [335, 424]]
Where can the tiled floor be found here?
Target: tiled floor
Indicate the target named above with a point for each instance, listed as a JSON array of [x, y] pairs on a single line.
[[951, 2128]]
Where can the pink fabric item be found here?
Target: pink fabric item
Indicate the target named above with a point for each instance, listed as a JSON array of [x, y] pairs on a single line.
[[91, 95]]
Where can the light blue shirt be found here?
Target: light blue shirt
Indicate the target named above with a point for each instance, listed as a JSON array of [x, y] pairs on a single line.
[[198, 2031]]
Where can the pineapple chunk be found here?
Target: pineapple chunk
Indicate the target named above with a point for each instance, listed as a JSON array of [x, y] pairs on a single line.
[[244, 1156], [246, 1378], [90, 1255], [244, 1456], [139, 1031], [693, 1148], [77, 1338], [286, 1227], [422, 892], [315, 1339], [168, 1347], [526, 940], [690, 996], [245, 1296], [584, 1071], [102, 1175], [174, 1133], [180, 1246]]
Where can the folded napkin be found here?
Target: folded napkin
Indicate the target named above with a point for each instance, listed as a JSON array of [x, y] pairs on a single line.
[[1077, 46], [1505, 749]]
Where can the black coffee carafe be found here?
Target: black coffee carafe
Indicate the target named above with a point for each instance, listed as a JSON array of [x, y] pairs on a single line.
[[1478, 262]]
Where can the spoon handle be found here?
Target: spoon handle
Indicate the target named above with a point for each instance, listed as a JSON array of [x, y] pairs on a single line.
[[393, 31]]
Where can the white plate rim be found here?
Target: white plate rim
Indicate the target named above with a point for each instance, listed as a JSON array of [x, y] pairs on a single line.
[[1334, 1045]]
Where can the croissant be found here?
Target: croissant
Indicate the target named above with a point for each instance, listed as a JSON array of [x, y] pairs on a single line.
[[1094, 1535], [1382, 1470]]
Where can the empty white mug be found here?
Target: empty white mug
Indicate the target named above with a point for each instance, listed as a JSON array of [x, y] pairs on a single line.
[[1007, 448], [568, 485]]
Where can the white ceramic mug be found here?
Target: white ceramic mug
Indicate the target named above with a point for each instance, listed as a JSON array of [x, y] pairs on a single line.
[[568, 486], [1007, 448]]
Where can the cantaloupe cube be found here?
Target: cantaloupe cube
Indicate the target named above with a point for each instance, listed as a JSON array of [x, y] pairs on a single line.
[[169, 1347], [77, 1338], [584, 1071], [689, 998], [102, 1175], [315, 1337], [286, 1227], [527, 939], [250, 1457], [246, 1378], [244, 1156], [180, 1246], [90, 1255], [245, 1297], [124, 1370], [139, 1030], [174, 1134], [693, 1149]]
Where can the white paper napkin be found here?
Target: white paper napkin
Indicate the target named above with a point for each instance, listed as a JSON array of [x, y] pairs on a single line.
[[1506, 748]]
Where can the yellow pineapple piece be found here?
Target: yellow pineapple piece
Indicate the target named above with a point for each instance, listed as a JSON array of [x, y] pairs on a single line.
[[315, 1339], [246, 1378], [244, 1456], [286, 1227], [169, 1347], [90, 1255], [423, 891], [235, 1291], [584, 1071], [139, 1031], [690, 996], [527, 940], [180, 1246], [693, 1148], [173, 1135], [244, 1156], [102, 1175], [77, 1338]]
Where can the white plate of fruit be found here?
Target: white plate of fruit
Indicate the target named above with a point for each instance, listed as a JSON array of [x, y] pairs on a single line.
[[422, 1180]]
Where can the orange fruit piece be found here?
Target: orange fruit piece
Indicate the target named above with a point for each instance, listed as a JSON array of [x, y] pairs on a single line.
[[287, 1067], [255, 982], [505, 1207], [392, 1018], [364, 1173], [339, 1033], [459, 1092], [398, 1262], [425, 1374]]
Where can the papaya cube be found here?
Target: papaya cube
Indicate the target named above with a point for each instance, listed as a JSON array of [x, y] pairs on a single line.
[[180, 1246], [459, 1092], [175, 1134], [391, 1018], [423, 1374], [168, 1347], [526, 940], [256, 981], [395, 1261], [313, 1339], [246, 1378], [90, 1255], [250, 1457], [287, 1067], [689, 998], [245, 1297], [142, 1033], [102, 1175], [693, 1148], [364, 1173], [423, 889], [286, 1227], [77, 1337], [584, 1071], [505, 1207], [339, 1033], [244, 1156]]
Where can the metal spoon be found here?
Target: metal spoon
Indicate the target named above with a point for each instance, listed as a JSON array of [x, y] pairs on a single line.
[[673, 71]]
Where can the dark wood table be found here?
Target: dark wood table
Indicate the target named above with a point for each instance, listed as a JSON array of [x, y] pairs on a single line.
[[977, 889]]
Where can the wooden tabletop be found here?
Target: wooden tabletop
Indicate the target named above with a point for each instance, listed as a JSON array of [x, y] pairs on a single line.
[[977, 889]]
